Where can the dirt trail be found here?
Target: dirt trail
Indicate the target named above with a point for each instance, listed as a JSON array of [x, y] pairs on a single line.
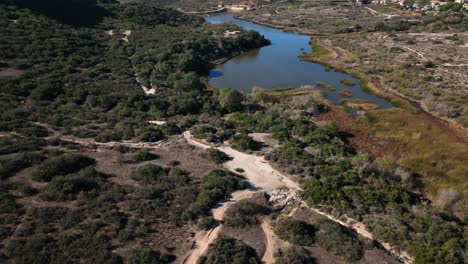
[[87, 142], [273, 243], [204, 239], [256, 168]]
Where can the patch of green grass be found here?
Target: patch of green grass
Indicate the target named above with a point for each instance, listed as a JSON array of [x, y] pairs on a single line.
[[346, 93], [347, 82], [318, 51]]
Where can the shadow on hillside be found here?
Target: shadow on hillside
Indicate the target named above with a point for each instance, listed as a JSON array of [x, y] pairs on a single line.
[[80, 13]]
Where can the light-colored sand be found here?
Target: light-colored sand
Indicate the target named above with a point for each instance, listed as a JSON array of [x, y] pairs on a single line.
[[125, 35], [262, 176], [156, 122], [274, 244], [256, 169]]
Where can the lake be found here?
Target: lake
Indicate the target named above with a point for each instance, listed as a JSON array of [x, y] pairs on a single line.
[[279, 66]]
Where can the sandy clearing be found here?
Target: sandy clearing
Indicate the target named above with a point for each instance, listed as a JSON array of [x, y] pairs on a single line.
[[125, 35], [156, 122], [256, 168]]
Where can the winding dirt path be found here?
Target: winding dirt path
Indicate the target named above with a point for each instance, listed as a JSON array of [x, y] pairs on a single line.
[[273, 243], [204, 239], [256, 169], [262, 176]]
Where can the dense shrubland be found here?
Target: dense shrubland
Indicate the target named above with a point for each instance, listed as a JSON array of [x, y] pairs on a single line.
[[325, 233], [243, 214], [228, 250], [337, 179], [80, 81], [76, 76]]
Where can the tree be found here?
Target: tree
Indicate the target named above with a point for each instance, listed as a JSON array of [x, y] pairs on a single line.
[[231, 99]]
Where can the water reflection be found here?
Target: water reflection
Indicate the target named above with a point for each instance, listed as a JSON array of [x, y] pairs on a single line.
[[278, 66]]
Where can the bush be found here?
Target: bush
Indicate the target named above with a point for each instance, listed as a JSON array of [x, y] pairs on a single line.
[[294, 255], [347, 82], [149, 173], [294, 231], [339, 240], [231, 99], [64, 188], [10, 145], [144, 155], [243, 214], [170, 129], [228, 250], [149, 257], [151, 134], [62, 165], [206, 222], [217, 156], [18, 162], [243, 142], [215, 186], [346, 93]]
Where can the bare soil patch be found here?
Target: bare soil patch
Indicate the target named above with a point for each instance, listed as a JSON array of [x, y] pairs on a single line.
[[253, 237], [10, 72]]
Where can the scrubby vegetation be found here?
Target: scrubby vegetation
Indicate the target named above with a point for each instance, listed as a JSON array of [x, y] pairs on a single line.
[[294, 255], [61, 165], [227, 250], [243, 142], [294, 231], [78, 81], [216, 155], [243, 214]]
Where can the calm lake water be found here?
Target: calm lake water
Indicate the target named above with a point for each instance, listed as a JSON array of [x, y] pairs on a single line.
[[278, 66]]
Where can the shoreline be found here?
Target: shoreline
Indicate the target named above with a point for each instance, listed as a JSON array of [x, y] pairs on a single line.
[[370, 82]]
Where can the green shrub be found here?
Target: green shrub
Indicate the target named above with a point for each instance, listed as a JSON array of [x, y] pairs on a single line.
[[216, 186], [64, 188], [347, 82], [294, 255], [243, 142], [144, 155], [346, 93], [150, 134], [206, 222], [18, 162], [7, 203], [339, 240], [228, 250], [216, 155], [243, 214], [231, 99], [62, 165], [294, 231], [149, 257], [15, 144], [170, 129], [149, 173]]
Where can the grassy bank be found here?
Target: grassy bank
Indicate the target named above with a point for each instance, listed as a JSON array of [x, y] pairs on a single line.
[[417, 141]]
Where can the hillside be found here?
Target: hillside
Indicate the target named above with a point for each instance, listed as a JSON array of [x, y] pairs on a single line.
[[115, 149]]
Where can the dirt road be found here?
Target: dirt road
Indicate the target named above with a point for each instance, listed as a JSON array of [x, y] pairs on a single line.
[[256, 169], [262, 176]]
